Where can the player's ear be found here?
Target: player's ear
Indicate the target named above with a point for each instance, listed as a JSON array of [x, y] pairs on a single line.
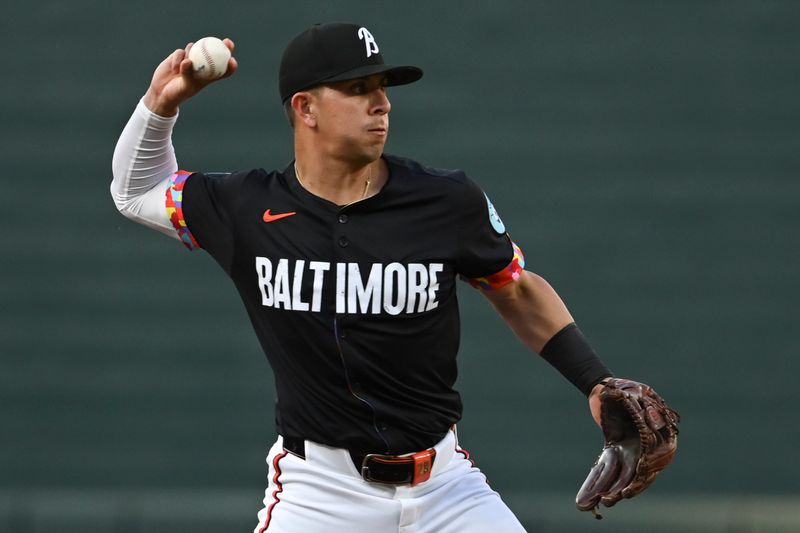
[[303, 106]]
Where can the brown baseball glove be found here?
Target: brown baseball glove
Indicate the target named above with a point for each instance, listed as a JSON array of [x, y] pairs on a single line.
[[641, 437]]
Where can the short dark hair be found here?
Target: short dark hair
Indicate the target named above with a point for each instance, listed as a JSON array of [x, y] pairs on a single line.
[[289, 112]]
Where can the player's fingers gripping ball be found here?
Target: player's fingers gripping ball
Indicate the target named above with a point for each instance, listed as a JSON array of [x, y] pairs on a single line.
[[209, 57]]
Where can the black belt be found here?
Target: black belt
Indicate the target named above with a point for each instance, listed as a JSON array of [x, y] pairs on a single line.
[[378, 468]]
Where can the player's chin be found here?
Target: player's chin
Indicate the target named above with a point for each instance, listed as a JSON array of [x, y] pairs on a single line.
[[374, 146], [366, 150]]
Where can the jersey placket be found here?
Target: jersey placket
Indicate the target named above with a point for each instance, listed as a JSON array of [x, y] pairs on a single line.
[[343, 234]]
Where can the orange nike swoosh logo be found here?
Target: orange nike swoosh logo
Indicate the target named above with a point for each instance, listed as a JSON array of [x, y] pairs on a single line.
[[269, 217]]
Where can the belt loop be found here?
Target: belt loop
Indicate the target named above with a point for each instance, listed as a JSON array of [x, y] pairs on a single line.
[[296, 447]]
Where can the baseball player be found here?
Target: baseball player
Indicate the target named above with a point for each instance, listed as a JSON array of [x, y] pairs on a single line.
[[347, 261]]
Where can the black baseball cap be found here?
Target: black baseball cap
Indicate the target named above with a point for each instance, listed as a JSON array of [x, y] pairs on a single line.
[[336, 51]]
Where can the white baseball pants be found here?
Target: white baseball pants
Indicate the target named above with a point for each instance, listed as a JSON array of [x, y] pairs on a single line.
[[324, 493]]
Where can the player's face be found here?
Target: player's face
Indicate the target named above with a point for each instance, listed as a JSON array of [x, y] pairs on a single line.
[[353, 117]]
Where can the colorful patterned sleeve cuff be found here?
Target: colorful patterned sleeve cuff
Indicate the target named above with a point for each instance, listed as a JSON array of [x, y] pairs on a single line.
[[500, 279], [174, 205]]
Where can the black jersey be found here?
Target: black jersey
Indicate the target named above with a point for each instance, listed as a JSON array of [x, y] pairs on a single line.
[[354, 306]]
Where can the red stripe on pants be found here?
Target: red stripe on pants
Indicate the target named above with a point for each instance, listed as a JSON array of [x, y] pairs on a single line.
[[278, 489], [465, 453]]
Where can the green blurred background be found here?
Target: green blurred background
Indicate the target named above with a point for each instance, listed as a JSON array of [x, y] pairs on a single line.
[[644, 154]]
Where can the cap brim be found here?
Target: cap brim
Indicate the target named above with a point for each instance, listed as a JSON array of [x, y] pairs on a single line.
[[395, 75]]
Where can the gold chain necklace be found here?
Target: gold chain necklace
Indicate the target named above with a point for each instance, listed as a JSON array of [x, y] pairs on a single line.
[[366, 183]]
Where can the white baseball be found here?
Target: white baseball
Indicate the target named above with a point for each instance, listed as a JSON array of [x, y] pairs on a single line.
[[209, 58]]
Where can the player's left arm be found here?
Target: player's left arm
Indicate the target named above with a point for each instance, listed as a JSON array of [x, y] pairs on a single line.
[[532, 309], [538, 316]]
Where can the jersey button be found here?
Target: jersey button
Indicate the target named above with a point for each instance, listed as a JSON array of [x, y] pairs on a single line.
[[343, 219], [343, 242], [383, 426]]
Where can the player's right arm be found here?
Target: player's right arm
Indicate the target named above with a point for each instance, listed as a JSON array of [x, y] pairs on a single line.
[[144, 159]]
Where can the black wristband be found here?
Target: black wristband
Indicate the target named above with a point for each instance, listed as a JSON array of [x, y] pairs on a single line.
[[569, 352]]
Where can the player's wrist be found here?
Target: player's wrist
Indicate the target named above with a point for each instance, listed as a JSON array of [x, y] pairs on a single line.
[[572, 355], [598, 387], [160, 106]]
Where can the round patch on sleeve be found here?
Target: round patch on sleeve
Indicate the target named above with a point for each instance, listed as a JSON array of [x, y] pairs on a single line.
[[494, 218]]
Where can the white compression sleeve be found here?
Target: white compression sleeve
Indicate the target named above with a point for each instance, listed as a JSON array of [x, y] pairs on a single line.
[[144, 160]]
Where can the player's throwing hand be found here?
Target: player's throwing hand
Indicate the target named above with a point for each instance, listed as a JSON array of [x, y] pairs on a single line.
[[174, 81]]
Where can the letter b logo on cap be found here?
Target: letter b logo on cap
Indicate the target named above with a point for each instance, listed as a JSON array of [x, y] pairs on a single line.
[[369, 41]]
